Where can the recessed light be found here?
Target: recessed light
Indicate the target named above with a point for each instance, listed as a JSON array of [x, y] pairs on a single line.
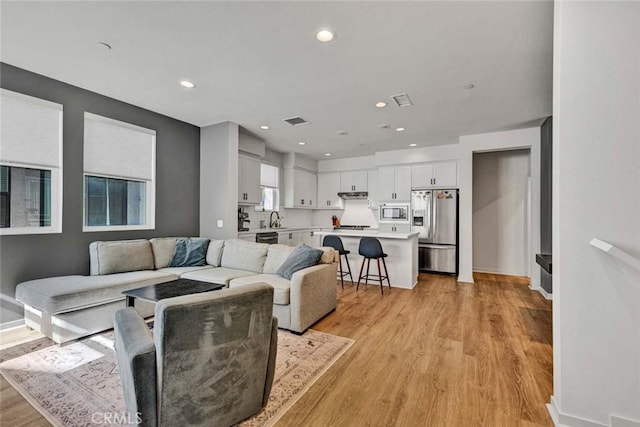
[[327, 154], [413, 145], [324, 36], [302, 143], [381, 104], [399, 129], [469, 86], [265, 127], [187, 84]]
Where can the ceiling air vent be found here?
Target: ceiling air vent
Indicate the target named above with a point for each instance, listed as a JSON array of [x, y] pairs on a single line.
[[296, 121], [402, 100]]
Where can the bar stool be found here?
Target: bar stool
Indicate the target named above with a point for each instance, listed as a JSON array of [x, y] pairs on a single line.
[[336, 243], [370, 248]]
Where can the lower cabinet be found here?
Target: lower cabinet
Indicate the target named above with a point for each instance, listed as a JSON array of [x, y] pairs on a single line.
[[394, 228], [292, 238], [247, 237]]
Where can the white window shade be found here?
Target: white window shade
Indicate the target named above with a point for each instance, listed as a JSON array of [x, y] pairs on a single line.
[[30, 131], [268, 176], [118, 149]]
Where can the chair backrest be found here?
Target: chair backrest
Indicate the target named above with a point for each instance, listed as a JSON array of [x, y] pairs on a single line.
[[214, 352], [333, 241], [370, 247]]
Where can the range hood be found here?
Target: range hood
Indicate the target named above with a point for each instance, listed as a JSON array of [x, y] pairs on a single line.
[[354, 195]]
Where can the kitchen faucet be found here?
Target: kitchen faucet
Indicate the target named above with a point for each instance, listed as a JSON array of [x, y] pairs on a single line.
[[273, 223]]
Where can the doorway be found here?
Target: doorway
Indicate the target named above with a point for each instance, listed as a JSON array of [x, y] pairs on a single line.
[[501, 212]]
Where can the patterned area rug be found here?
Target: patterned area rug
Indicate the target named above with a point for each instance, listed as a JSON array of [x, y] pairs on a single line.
[[78, 384]]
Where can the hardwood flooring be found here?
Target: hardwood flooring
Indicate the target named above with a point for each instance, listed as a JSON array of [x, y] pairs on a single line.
[[442, 354]]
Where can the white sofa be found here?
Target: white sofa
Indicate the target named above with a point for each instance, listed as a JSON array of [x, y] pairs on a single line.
[[70, 307]]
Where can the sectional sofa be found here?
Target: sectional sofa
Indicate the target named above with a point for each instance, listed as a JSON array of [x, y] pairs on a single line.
[[70, 307]]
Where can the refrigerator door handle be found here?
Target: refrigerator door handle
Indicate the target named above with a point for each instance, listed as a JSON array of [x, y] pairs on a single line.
[[434, 222]]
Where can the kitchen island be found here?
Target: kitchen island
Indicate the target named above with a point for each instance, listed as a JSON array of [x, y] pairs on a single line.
[[401, 248]]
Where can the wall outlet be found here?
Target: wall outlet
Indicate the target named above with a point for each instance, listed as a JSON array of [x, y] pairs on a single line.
[[220, 223]]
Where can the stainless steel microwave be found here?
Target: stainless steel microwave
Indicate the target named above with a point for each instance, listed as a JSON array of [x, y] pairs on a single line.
[[397, 213]]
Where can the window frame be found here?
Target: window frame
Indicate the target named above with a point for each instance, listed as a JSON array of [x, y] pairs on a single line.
[[260, 207], [56, 173], [150, 185]]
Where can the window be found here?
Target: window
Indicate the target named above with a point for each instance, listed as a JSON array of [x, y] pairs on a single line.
[[119, 175], [269, 179], [30, 165]]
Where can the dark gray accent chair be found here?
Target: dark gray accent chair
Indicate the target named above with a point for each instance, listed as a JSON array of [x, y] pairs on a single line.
[[209, 362]]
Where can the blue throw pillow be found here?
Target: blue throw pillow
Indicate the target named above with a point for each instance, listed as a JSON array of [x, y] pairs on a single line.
[[302, 256], [189, 253]]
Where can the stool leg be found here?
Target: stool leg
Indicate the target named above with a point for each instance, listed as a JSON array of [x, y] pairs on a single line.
[[386, 272], [380, 276], [360, 275], [348, 267], [340, 266], [366, 278]]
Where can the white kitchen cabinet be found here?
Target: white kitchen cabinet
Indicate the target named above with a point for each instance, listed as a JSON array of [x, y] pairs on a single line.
[[328, 189], [300, 189], [247, 237], [353, 181], [310, 237], [394, 228], [394, 183], [283, 237], [432, 175], [249, 192]]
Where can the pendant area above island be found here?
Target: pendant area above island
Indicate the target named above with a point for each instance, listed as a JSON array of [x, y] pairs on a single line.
[[401, 248]]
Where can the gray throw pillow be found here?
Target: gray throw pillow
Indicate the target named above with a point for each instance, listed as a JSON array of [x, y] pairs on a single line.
[[302, 256], [189, 253]]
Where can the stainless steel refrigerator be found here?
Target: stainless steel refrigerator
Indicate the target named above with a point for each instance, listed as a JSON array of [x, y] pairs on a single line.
[[434, 214]]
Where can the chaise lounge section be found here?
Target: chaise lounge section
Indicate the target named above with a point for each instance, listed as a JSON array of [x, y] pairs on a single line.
[[70, 307]]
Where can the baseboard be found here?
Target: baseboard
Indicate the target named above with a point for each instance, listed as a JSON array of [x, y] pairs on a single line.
[[565, 420], [623, 422], [11, 325], [544, 293]]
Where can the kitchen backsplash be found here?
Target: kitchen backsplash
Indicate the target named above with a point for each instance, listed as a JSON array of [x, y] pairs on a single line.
[[356, 212]]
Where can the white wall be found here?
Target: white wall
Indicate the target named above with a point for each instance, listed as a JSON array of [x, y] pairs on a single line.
[[596, 192], [500, 212]]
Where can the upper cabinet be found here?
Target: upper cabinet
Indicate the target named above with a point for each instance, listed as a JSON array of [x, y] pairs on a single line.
[[300, 189], [249, 192], [328, 189], [431, 175], [372, 180], [394, 183], [353, 181]]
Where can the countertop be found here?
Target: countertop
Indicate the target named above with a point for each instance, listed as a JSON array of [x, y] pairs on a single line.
[[370, 233], [280, 229]]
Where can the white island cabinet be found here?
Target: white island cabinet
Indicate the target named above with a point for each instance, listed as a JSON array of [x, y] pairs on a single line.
[[401, 248]]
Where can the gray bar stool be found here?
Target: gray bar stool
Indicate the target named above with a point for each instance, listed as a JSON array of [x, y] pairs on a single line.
[[370, 248], [336, 243]]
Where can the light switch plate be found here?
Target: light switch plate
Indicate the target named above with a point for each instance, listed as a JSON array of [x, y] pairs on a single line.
[[220, 223]]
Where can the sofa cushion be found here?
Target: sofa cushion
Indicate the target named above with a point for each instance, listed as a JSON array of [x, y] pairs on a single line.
[[302, 256], [120, 256], [179, 271], [281, 286], [162, 248], [220, 275], [214, 253], [189, 253], [329, 255], [276, 255], [68, 293], [243, 255]]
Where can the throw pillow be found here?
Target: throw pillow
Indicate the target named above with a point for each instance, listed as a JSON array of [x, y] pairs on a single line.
[[189, 253], [302, 256]]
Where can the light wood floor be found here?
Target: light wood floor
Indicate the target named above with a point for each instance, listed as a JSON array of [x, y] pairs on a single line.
[[442, 354]]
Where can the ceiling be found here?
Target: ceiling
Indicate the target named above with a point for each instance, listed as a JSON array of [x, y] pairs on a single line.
[[258, 62]]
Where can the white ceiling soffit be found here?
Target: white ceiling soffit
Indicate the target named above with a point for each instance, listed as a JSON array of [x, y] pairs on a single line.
[[256, 63]]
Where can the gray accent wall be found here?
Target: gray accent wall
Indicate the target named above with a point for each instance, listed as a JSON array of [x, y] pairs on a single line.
[[26, 257]]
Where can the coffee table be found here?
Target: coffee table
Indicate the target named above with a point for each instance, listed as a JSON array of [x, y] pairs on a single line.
[[175, 288]]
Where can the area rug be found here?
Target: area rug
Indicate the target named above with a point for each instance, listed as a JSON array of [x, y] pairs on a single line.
[[78, 384]]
